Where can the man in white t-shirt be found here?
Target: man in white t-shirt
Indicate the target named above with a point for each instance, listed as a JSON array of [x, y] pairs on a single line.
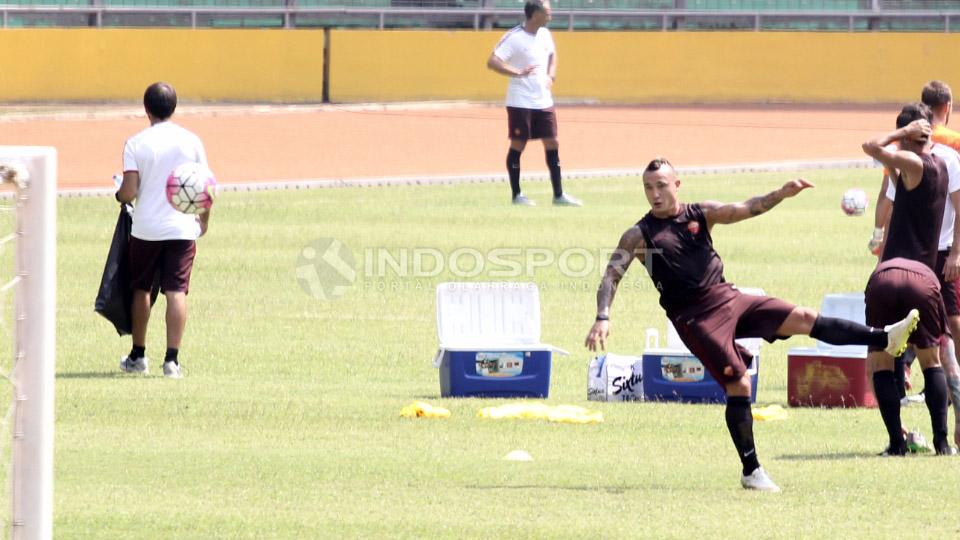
[[163, 240], [528, 56]]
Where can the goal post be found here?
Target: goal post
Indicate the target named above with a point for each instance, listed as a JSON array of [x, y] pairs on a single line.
[[33, 171]]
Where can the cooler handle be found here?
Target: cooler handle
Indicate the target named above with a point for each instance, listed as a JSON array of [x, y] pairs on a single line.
[[438, 358]]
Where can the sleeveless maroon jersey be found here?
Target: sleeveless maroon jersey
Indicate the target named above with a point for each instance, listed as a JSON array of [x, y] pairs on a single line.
[[680, 256], [917, 214]]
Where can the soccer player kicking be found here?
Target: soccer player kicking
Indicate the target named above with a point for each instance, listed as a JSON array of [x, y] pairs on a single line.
[[673, 241], [912, 237]]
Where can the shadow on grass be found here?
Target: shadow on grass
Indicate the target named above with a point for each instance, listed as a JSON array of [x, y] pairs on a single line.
[[826, 457], [96, 375], [596, 489]]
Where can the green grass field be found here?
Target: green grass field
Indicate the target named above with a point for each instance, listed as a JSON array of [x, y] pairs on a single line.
[[287, 423]]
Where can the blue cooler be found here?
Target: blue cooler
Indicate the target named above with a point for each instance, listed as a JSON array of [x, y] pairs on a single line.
[[677, 375], [673, 373], [490, 341]]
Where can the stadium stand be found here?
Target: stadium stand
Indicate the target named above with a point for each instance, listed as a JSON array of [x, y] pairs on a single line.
[[776, 15]]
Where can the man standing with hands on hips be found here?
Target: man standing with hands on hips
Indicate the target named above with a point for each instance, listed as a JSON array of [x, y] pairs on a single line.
[[528, 56]]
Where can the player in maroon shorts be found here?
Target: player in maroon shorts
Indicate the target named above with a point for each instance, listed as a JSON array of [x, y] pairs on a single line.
[[913, 235], [674, 243], [895, 287]]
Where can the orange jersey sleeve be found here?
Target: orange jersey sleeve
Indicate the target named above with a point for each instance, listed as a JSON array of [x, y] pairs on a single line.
[[944, 135]]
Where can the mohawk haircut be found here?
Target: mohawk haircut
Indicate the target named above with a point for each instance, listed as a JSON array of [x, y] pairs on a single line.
[[657, 163]]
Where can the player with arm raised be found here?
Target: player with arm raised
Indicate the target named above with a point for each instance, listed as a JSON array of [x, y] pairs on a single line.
[[912, 237], [674, 242]]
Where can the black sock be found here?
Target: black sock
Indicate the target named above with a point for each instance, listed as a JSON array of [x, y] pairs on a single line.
[[138, 352], [513, 169], [171, 356], [844, 332], [935, 394], [900, 374], [740, 423], [553, 163], [884, 387]]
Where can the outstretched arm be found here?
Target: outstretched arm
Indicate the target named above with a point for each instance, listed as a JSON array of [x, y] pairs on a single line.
[[908, 163], [631, 245], [717, 212]]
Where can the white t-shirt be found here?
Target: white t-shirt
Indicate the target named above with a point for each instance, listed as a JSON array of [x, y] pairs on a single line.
[[952, 159], [154, 153], [521, 49]]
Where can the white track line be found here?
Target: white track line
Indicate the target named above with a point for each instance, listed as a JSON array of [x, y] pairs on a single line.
[[479, 178]]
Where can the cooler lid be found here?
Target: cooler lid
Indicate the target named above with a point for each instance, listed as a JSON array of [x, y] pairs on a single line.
[[500, 313], [849, 306]]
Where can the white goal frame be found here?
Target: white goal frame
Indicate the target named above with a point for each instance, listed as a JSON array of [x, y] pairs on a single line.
[[34, 171]]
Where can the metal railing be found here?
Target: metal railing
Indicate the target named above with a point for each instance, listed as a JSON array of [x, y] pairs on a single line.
[[100, 16]]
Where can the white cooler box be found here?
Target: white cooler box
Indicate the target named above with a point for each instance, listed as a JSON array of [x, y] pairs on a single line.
[[490, 345]]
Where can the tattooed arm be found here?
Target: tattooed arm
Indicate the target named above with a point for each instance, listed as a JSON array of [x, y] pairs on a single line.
[[717, 212], [630, 247]]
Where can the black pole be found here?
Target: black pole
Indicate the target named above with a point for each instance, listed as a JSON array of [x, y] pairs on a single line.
[[326, 65]]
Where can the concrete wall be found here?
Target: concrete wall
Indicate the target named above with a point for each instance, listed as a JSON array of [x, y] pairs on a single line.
[[369, 65], [230, 65]]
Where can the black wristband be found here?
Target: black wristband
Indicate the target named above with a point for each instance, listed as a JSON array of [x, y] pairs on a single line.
[[603, 317]]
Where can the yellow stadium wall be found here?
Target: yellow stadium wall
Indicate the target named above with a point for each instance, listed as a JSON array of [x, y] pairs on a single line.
[[643, 67], [215, 65], [369, 65]]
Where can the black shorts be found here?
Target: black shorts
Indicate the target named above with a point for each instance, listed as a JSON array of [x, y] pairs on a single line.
[[719, 316], [948, 289], [173, 259], [892, 292], [525, 124]]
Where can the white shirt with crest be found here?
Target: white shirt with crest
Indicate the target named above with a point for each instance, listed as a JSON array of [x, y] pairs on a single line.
[[521, 49]]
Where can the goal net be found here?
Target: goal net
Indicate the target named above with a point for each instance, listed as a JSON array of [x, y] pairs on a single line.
[[28, 224]]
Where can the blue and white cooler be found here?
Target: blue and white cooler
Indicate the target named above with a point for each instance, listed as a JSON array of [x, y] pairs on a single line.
[[490, 341], [673, 373]]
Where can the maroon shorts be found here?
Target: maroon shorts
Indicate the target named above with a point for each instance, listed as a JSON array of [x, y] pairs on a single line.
[[719, 316], [172, 259], [527, 124], [892, 292], [948, 289]]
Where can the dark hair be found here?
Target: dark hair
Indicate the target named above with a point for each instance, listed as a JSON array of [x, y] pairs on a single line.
[[531, 7], [912, 112], [160, 100], [656, 164], [936, 94]]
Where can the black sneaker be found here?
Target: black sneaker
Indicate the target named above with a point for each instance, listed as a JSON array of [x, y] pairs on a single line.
[[894, 452]]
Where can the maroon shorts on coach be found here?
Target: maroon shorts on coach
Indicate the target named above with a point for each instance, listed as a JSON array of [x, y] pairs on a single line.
[[948, 289], [525, 124], [721, 314], [173, 259], [892, 292]]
